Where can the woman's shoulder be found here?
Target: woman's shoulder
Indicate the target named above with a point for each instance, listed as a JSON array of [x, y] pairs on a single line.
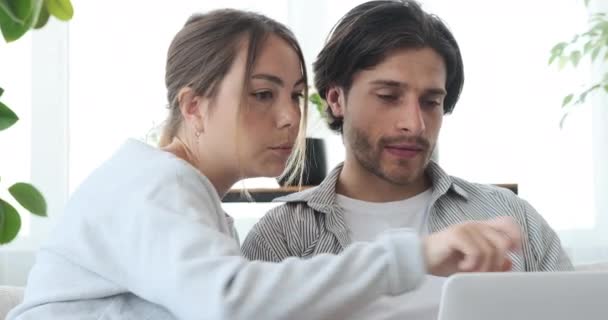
[[140, 173]]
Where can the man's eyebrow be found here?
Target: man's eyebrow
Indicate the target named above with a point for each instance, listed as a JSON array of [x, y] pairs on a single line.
[[397, 84], [388, 83]]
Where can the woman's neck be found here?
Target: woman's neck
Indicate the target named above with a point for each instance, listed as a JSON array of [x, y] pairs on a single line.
[[221, 178]]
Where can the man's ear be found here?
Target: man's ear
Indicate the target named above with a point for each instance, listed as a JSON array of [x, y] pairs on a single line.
[[193, 108], [336, 101]]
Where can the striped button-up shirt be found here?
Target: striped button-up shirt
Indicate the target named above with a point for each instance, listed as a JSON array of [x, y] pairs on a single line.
[[311, 222]]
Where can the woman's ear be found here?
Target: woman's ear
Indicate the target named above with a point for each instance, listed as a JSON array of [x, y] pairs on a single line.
[[336, 101], [193, 108]]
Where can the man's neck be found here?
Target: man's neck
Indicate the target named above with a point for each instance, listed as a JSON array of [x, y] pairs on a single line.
[[358, 183]]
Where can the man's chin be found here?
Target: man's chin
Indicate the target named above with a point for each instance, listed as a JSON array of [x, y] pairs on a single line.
[[401, 180], [403, 175]]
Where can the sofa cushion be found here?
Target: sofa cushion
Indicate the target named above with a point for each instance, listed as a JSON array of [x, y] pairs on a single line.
[[9, 298]]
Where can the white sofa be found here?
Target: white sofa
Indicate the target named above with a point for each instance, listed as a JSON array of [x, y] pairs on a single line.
[[9, 298]]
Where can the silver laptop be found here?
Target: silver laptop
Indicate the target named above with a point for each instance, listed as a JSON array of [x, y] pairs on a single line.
[[522, 296]]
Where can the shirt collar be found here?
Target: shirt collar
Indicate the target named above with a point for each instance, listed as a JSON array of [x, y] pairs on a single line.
[[323, 197]]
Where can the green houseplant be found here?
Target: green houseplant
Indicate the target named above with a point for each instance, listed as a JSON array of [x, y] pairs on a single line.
[[17, 17], [592, 43], [317, 101]]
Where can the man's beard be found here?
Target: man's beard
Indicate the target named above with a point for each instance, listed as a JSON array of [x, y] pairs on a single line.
[[370, 156]]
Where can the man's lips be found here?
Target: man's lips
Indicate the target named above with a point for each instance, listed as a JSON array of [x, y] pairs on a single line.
[[406, 146], [406, 151]]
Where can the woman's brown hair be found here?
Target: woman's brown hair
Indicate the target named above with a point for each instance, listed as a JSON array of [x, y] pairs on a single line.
[[202, 53]]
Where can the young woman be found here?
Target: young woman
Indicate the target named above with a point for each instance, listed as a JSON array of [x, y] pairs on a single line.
[[145, 237]]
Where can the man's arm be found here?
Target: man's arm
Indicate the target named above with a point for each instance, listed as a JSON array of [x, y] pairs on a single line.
[[546, 245]]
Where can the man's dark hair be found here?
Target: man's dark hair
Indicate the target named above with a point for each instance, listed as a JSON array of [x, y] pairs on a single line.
[[368, 33]]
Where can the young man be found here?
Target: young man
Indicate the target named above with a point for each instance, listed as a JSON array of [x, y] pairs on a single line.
[[389, 73]]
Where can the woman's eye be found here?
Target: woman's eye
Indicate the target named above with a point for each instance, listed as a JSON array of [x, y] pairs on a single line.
[[263, 95], [297, 96]]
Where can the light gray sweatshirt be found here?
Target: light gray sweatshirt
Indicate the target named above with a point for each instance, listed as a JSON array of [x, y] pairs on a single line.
[[145, 237]]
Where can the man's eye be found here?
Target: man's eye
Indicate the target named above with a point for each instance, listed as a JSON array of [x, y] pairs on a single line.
[[387, 97]]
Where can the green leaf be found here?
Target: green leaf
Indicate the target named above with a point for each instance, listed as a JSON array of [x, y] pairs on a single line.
[[17, 17], [60, 9], [559, 48], [603, 28], [575, 38], [563, 61], [29, 197], [22, 8], [12, 26], [7, 117], [7, 9], [316, 99], [582, 97], [1, 216], [575, 57], [563, 119], [1, 92], [567, 99], [588, 46], [590, 33], [595, 53], [597, 17], [11, 222], [552, 59], [597, 26], [606, 88], [43, 18]]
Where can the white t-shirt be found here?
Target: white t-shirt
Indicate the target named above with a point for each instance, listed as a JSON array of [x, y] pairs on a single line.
[[365, 221]]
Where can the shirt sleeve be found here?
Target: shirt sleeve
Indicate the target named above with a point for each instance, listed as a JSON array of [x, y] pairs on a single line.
[[170, 250]]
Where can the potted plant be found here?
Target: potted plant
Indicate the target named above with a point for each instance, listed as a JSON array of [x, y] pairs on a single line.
[[592, 43], [16, 18]]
